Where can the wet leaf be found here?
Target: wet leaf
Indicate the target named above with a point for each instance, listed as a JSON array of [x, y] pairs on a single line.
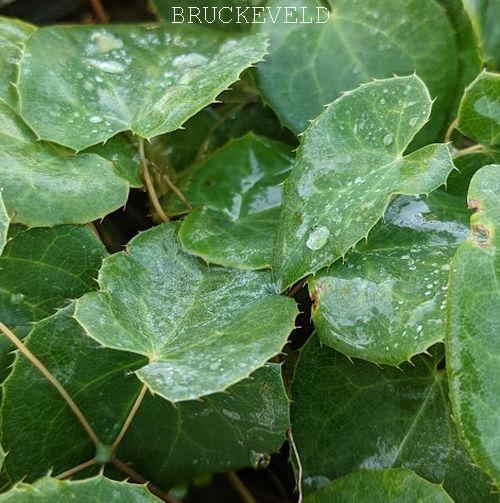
[[473, 310], [51, 187], [349, 166], [479, 113], [310, 65], [41, 269], [202, 328], [99, 488], [353, 414], [397, 486], [170, 444], [95, 73], [386, 302], [236, 195], [230, 430]]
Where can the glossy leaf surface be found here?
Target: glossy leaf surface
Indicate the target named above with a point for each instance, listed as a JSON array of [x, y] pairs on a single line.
[[310, 65], [386, 302], [472, 335], [202, 329], [399, 485], [349, 166], [236, 194], [479, 113], [51, 187], [349, 415], [96, 73], [223, 431], [41, 269]]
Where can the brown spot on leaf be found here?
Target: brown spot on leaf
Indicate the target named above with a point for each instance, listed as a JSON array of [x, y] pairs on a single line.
[[481, 235]]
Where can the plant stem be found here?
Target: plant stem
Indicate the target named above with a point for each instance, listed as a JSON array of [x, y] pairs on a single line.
[[153, 197], [76, 469], [57, 385], [137, 477], [244, 493], [469, 150], [130, 417], [172, 185], [449, 131], [100, 13]]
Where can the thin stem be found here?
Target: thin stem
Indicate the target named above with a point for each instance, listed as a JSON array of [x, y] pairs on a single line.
[[41, 367], [449, 131], [172, 185], [137, 477], [130, 417], [469, 150], [299, 464], [76, 469], [100, 13], [244, 493], [153, 197]]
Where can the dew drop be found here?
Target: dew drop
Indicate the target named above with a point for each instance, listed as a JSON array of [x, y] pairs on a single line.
[[318, 238], [388, 139]]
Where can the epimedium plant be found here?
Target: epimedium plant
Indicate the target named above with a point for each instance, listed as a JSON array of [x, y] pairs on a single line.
[[351, 179]]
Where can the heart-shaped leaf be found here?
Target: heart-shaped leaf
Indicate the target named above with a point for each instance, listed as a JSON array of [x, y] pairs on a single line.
[[50, 490], [479, 113], [386, 303], [202, 329], [40, 269], [236, 194], [399, 485], [96, 74], [43, 186], [353, 414], [310, 65], [472, 337], [349, 166], [13, 35], [170, 443]]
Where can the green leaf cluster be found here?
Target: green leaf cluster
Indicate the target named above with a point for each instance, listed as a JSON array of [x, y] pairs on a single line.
[[317, 276]]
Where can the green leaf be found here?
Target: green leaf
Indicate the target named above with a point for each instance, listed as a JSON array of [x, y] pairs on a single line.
[[470, 61], [230, 430], [467, 164], [98, 488], [4, 224], [484, 15], [202, 329], [397, 486], [95, 74], [13, 35], [386, 303], [349, 166], [479, 113], [236, 194], [125, 158], [166, 443], [40, 269], [348, 415], [473, 310], [43, 186], [310, 65], [99, 380]]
